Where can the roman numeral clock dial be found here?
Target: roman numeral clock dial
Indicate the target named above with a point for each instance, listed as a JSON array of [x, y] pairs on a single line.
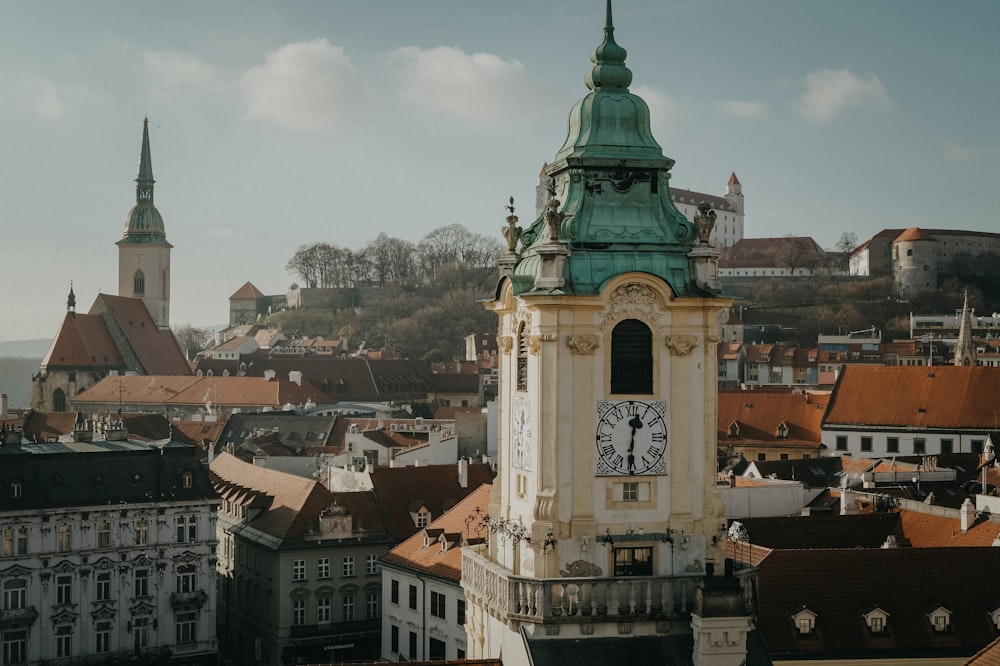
[[631, 437]]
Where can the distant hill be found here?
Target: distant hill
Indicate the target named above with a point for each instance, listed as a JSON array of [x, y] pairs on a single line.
[[15, 379], [25, 348]]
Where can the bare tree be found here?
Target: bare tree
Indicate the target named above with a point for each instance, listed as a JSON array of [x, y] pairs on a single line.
[[192, 340], [847, 242]]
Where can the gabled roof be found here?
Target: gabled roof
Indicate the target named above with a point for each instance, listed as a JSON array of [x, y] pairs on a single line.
[[435, 486], [83, 340], [759, 413], [950, 397], [912, 234], [156, 350], [453, 527], [812, 472], [772, 252], [291, 504], [225, 392]]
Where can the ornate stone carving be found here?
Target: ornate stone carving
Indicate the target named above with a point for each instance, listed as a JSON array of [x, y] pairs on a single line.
[[714, 506], [506, 343], [712, 339], [704, 222], [581, 569], [543, 511], [553, 219], [681, 345], [534, 344], [630, 300], [583, 344]]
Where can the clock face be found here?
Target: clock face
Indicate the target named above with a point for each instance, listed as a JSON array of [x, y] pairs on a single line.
[[631, 437], [520, 433]]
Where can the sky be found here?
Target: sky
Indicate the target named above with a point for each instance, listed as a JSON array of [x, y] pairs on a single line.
[[279, 124]]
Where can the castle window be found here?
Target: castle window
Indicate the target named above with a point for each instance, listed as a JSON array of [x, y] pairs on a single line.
[[139, 283], [631, 358], [59, 400], [634, 561], [522, 359]]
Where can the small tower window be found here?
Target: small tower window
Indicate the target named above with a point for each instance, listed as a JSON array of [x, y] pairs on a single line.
[[522, 359], [59, 400], [139, 283], [631, 358]]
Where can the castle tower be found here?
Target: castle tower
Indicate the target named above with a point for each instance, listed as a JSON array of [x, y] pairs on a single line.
[[143, 252], [965, 348], [914, 262], [734, 194], [605, 522]]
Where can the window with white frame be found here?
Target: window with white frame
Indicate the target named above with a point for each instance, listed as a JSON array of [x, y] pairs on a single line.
[[323, 567], [348, 568], [103, 534], [187, 578], [64, 538], [371, 604], [630, 491], [15, 540], [102, 637], [187, 529], [140, 580], [15, 647], [298, 612], [64, 640], [298, 570], [348, 607], [140, 633], [371, 563], [323, 605], [141, 533], [423, 517], [187, 627], [64, 590], [102, 588], [14, 592]]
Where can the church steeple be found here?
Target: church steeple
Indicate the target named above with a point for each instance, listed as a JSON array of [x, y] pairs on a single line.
[[965, 348], [71, 300], [143, 251]]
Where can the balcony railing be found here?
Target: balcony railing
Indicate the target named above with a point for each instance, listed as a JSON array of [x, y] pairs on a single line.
[[597, 599], [21, 617], [335, 628], [188, 600]]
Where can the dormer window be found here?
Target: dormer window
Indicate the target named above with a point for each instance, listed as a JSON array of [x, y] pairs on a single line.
[[995, 618], [783, 430], [940, 619], [734, 429], [805, 622], [876, 619], [423, 517], [187, 479], [15, 488]]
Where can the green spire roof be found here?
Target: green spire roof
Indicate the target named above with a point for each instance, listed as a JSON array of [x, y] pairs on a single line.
[[144, 224], [612, 182]]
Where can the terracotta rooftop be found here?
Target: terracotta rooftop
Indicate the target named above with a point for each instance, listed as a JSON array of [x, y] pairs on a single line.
[[247, 291], [156, 350], [772, 252], [921, 397], [758, 415], [988, 656], [912, 234], [435, 486], [82, 340], [436, 549]]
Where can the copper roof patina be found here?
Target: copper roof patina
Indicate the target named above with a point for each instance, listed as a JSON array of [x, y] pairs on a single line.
[[615, 214]]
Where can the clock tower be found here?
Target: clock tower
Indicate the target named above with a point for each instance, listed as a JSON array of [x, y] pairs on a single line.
[[604, 520]]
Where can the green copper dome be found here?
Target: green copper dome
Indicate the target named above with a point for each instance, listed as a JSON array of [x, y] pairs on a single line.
[[144, 224], [610, 182]]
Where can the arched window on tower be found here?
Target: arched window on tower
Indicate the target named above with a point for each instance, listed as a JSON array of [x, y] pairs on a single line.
[[522, 359], [59, 400], [139, 283], [631, 358]]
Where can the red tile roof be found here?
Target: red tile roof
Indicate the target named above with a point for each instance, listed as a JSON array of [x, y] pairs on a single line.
[[226, 392], [912, 234], [772, 252], [759, 413], [436, 550], [82, 340], [916, 397], [434, 486], [247, 291], [157, 351]]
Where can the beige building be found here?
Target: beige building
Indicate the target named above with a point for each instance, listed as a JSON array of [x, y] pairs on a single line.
[[606, 527]]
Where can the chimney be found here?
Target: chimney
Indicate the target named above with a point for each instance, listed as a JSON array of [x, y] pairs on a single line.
[[268, 375], [463, 472], [3, 407], [295, 376], [967, 514]]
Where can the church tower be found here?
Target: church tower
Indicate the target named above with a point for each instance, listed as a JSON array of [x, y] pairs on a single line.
[[965, 347], [143, 252], [605, 521]]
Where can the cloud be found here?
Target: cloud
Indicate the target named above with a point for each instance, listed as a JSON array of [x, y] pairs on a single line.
[[829, 92], [46, 99], [474, 88], [172, 70], [740, 109], [958, 153], [662, 109], [305, 86]]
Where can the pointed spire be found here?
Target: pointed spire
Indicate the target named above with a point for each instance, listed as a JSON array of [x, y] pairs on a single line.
[[71, 300], [733, 180], [144, 181], [609, 71], [965, 347]]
